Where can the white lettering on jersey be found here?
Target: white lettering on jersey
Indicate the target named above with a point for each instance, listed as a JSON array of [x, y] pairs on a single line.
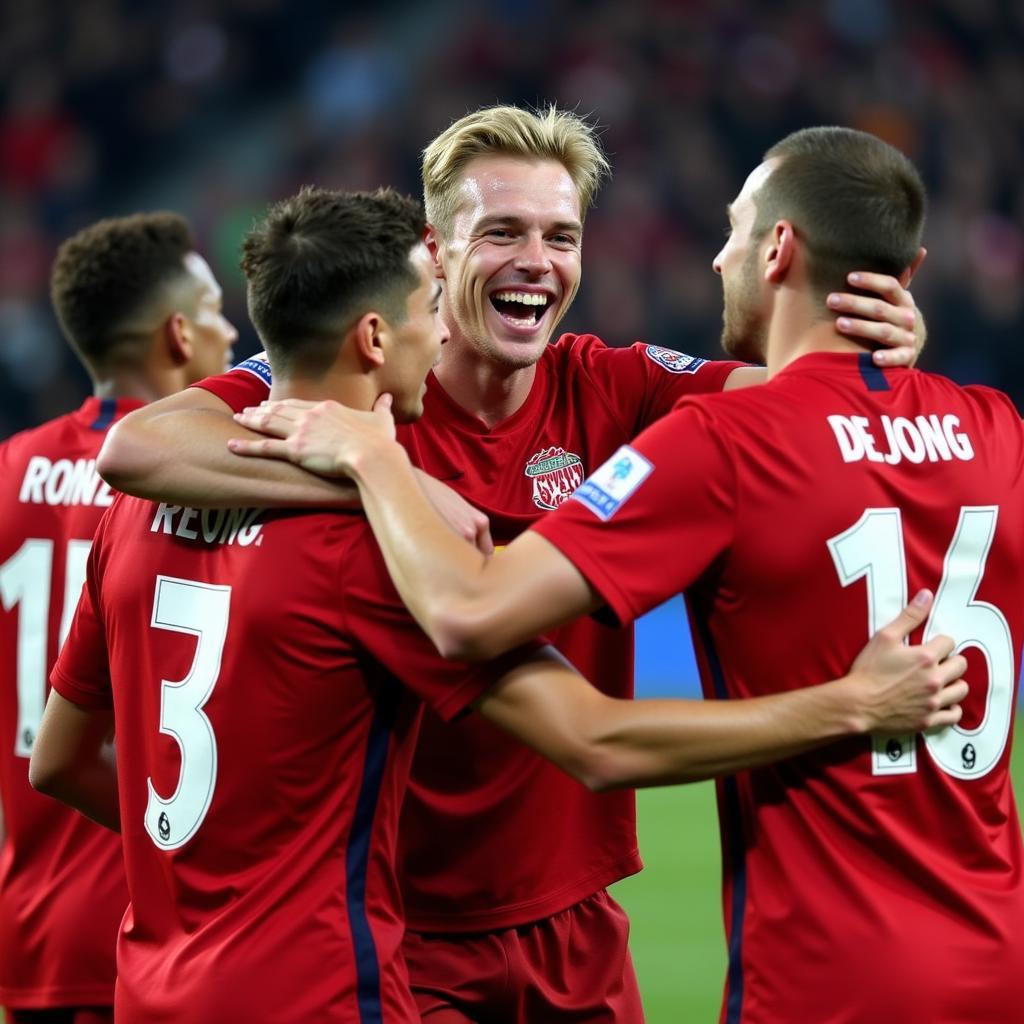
[[216, 525], [895, 438], [64, 482]]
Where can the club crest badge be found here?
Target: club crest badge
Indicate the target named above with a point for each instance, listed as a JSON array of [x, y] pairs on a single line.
[[555, 473], [674, 362]]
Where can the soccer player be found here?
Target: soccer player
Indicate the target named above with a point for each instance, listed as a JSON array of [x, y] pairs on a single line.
[[866, 881], [513, 421], [141, 309], [269, 649]]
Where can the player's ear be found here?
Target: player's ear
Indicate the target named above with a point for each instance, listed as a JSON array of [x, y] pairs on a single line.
[[907, 276], [370, 336], [432, 240], [176, 336], [780, 251]]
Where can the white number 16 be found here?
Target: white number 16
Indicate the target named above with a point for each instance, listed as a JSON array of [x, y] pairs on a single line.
[[873, 548]]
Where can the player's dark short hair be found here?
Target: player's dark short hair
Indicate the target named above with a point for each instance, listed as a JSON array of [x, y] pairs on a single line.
[[115, 275], [320, 260], [856, 202]]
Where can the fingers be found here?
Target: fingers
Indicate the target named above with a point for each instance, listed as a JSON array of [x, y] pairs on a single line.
[[872, 330], [881, 284], [264, 448], [298, 404], [267, 420], [912, 616], [955, 693], [383, 403], [940, 648], [484, 541], [902, 355], [868, 307], [948, 716]]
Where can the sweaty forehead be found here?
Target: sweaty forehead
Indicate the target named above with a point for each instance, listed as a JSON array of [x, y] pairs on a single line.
[[517, 187]]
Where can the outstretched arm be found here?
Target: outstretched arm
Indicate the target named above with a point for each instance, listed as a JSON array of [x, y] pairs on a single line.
[[73, 763], [470, 605], [606, 743], [176, 450]]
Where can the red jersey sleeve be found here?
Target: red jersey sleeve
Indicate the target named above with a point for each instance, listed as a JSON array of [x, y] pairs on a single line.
[[646, 524], [377, 619], [81, 673], [644, 382], [248, 383]]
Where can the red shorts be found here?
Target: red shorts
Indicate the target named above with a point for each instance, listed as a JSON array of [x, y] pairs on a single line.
[[571, 968], [63, 1015]]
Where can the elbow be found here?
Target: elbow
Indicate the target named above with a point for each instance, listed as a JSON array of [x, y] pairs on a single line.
[[120, 461], [598, 769], [46, 778], [461, 633]]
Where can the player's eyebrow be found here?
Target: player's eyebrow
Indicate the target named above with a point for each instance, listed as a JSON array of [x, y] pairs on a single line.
[[436, 297], [498, 219]]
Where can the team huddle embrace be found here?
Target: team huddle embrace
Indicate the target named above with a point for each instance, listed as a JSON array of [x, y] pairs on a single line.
[[367, 767]]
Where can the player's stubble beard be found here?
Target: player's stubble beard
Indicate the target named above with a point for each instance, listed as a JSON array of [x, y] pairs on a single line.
[[744, 329]]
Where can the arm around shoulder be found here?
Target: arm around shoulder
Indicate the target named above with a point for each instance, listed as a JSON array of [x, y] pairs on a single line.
[[176, 450]]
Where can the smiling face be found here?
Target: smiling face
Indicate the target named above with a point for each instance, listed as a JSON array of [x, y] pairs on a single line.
[[511, 261], [744, 316]]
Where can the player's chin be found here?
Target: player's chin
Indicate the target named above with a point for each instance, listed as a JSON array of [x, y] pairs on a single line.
[[408, 410], [519, 352]]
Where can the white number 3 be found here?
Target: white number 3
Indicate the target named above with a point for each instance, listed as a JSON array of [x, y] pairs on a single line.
[[873, 547], [200, 610]]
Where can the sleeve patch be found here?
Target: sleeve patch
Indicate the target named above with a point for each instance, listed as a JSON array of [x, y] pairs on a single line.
[[611, 485], [674, 362], [258, 366]]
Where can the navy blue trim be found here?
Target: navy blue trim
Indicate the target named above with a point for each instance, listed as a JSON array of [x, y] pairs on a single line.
[[732, 829], [108, 410], [873, 376], [357, 856]]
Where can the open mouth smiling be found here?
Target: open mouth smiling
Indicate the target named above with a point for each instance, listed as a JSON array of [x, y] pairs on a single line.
[[520, 309]]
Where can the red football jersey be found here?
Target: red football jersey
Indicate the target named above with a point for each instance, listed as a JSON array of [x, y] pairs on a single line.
[[488, 795], [62, 889], [255, 663], [868, 880]]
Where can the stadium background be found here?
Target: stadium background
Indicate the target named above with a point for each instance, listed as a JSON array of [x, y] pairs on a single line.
[[215, 107]]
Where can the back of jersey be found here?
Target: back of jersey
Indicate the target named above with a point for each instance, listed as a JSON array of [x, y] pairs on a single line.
[[884, 876], [62, 889], [262, 754]]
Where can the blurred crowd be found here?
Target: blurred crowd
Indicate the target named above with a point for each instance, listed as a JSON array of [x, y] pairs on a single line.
[[215, 107]]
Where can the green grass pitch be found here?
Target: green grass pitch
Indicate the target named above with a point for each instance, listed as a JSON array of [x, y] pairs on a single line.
[[674, 903]]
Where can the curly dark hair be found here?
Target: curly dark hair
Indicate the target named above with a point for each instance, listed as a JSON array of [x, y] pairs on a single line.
[[110, 273], [322, 258]]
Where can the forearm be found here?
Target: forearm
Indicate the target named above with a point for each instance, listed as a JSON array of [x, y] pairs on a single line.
[[607, 743], [91, 790], [73, 760], [181, 456], [652, 742], [432, 568]]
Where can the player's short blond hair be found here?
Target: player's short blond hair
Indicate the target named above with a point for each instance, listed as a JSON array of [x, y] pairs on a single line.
[[548, 133]]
